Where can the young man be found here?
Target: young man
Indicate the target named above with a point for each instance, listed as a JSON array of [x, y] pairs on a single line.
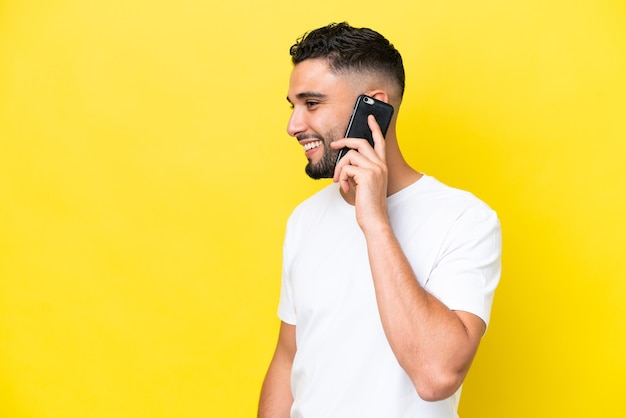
[[388, 274]]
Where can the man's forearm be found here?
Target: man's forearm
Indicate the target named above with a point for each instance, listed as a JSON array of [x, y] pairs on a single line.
[[432, 343], [276, 399]]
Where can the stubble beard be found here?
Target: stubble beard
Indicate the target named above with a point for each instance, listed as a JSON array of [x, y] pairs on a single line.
[[324, 168]]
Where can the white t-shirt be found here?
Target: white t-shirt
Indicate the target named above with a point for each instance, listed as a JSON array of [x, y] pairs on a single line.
[[344, 366]]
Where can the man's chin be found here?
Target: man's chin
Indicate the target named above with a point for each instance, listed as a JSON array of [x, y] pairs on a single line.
[[317, 173]]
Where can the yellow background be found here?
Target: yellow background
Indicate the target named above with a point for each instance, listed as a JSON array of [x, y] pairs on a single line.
[[146, 177]]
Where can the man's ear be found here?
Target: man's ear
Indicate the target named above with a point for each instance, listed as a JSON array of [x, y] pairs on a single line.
[[378, 94]]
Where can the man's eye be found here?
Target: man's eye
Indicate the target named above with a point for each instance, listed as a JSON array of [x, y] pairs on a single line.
[[311, 103]]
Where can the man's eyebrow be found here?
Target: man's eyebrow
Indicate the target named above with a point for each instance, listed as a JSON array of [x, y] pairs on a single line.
[[308, 95]]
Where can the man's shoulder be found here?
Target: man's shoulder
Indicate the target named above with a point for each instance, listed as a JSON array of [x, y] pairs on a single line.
[[444, 201], [430, 189]]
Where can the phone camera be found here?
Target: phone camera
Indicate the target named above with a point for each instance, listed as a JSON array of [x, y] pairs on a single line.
[[368, 100]]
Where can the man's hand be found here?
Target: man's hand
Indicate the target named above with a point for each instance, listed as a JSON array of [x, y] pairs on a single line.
[[362, 173]]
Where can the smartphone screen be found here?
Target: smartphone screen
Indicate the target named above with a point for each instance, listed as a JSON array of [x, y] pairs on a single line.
[[358, 127]]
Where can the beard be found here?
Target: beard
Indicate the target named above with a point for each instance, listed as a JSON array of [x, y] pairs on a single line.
[[325, 167]]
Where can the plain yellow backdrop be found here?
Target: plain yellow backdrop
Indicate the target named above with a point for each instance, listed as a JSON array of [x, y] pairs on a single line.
[[146, 177]]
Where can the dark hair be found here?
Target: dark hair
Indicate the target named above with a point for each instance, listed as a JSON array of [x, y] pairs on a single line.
[[349, 48]]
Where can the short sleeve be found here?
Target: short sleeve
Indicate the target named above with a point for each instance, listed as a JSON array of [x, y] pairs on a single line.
[[468, 267], [286, 309]]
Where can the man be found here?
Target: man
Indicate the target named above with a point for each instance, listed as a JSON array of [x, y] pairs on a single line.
[[388, 275]]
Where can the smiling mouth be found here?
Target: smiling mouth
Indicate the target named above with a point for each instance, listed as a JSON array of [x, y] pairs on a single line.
[[311, 145]]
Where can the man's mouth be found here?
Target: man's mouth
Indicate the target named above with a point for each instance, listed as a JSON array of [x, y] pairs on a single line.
[[311, 145]]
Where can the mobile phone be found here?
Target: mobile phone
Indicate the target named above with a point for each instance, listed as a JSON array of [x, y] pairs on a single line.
[[358, 127]]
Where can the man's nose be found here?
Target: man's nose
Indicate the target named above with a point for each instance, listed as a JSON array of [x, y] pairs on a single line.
[[296, 124]]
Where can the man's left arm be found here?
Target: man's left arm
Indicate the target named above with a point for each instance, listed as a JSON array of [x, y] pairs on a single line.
[[434, 344]]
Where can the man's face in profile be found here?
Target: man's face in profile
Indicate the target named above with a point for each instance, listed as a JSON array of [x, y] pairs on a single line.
[[322, 102]]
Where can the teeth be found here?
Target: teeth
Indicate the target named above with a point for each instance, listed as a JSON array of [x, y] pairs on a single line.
[[312, 145]]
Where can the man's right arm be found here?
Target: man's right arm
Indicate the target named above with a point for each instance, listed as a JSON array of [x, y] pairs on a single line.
[[276, 398]]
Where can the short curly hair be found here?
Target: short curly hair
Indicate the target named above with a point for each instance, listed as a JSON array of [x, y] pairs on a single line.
[[350, 48]]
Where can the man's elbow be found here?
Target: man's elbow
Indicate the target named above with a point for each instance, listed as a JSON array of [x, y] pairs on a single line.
[[438, 387]]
